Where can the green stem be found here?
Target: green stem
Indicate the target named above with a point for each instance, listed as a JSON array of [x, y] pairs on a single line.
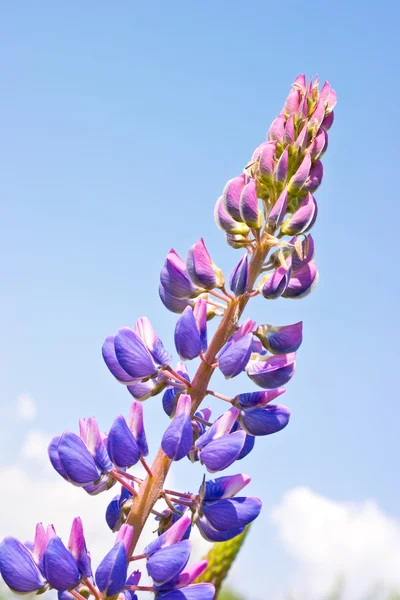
[[151, 489]]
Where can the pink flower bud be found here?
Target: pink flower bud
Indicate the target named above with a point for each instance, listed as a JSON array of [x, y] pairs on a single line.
[[318, 115], [227, 223], [267, 163], [315, 178], [319, 144], [277, 129], [231, 196], [300, 82], [300, 177], [278, 211], [303, 218], [288, 138], [201, 268], [249, 210], [328, 95], [302, 138], [292, 102], [281, 169]]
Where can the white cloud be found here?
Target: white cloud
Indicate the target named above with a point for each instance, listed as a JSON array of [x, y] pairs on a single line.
[[35, 446], [327, 539], [26, 407]]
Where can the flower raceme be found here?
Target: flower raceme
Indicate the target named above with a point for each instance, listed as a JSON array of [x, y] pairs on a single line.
[[266, 212]]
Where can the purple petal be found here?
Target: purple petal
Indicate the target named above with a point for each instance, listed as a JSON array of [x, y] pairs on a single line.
[[277, 129], [201, 269], [300, 177], [121, 444], [233, 358], [249, 210], [110, 358], [199, 591], [232, 513], [112, 571], [91, 436], [145, 389], [220, 427], [168, 400], [231, 196], [288, 138], [225, 487], [125, 535], [167, 563], [292, 102], [77, 547], [222, 452], [212, 535], [175, 305], [227, 223], [240, 275], [266, 420], [315, 178], [307, 252], [173, 535], [267, 162], [187, 336], [18, 568], [133, 355], [200, 315], [278, 211], [190, 574], [303, 218], [145, 331], [257, 399], [281, 169], [76, 460], [272, 286], [319, 144], [40, 543], [272, 372], [302, 138], [247, 446], [178, 438], [303, 281], [136, 425], [60, 568], [281, 340], [175, 279]]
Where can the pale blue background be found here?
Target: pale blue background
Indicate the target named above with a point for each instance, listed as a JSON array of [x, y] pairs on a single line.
[[119, 125]]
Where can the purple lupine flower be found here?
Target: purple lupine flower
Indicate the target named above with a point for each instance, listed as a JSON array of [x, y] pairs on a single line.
[[281, 340], [136, 425], [273, 285], [175, 305], [172, 535], [231, 196], [266, 163], [288, 137], [226, 222], [18, 567], [111, 573], [46, 562], [175, 279], [277, 129], [240, 276], [178, 438], [319, 145], [303, 218], [299, 179], [201, 269], [133, 355], [219, 448], [121, 444], [71, 458], [250, 400], [172, 391], [167, 563], [315, 177], [235, 354], [264, 420], [118, 509], [282, 169], [302, 281], [191, 331], [142, 390], [304, 253], [249, 209], [278, 211], [271, 372]]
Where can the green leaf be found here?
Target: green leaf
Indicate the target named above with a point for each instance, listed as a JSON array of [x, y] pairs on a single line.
[[220, 559]]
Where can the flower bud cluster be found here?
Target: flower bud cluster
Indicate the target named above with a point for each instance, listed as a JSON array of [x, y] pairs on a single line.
[[268, 211]]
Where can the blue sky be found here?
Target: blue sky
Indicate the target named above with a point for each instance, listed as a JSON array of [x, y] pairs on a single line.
[[120, 124]]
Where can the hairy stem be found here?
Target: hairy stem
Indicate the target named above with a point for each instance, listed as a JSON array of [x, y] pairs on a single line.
[[151, 489]]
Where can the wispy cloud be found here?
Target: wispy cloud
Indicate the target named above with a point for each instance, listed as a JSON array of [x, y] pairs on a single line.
[[26, 408], [327, 539]]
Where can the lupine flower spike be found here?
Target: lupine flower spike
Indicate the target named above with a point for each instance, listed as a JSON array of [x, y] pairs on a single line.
[[266, 212]]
